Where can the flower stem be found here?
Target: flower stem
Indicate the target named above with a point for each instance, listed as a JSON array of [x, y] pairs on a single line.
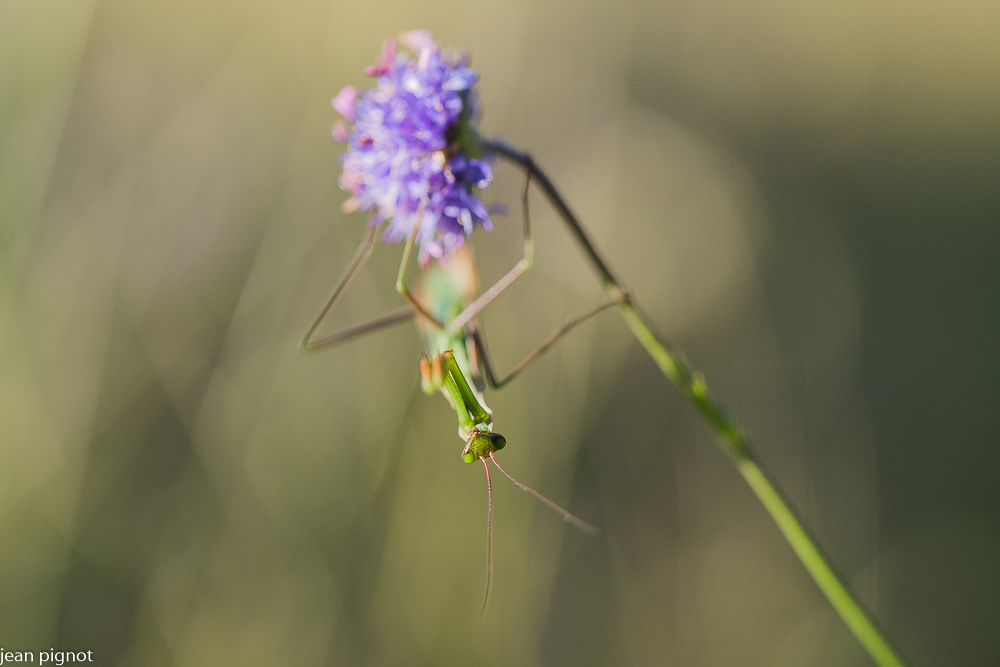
[[730, 435]]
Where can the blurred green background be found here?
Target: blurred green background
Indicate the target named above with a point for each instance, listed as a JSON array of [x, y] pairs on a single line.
[[804, 197]]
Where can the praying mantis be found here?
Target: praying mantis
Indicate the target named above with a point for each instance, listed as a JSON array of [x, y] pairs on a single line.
[[445, 306]]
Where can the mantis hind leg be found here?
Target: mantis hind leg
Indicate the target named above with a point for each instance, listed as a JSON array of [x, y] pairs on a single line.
[[401, 276], [484, 362], [487, 297], [312, 343], [483, 354]]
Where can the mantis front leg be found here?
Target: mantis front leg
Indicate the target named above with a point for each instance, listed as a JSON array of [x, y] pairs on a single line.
[[442, 373]]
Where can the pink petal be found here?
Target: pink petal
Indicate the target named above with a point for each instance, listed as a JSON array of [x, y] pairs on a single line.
[[339, 131], [422, 42], [344, 102], [384, 62]]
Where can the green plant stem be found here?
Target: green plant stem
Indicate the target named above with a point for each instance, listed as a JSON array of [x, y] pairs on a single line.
[[733, 441], [730, 435]]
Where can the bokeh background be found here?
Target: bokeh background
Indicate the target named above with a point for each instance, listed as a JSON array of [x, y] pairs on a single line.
[[803, 196]]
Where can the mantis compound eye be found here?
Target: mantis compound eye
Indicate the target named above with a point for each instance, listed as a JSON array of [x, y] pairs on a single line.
[[497, 441]]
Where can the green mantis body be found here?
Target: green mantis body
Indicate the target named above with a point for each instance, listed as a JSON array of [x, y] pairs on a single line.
[[446, 290], [450, 362], [456, 361]]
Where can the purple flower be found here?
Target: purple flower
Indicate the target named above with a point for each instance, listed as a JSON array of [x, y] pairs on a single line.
[[412, 147]]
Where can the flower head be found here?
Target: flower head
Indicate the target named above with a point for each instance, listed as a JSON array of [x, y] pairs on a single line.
[[411, 154]]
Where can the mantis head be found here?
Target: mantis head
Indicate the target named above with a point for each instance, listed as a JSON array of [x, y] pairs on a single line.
[[482, 444]]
